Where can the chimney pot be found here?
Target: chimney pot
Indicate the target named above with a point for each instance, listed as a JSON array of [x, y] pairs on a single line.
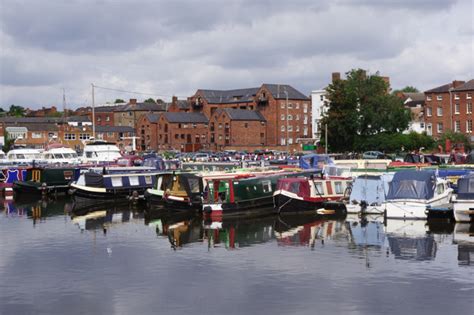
[[457, 83], [133, 101], [336, 76]]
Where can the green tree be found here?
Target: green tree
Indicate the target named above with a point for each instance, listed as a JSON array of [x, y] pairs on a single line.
[[150, 100], [360, 108], [16, 111], [455, 138], [406, 89], [119, 100]]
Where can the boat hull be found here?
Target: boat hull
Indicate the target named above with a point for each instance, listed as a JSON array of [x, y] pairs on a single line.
[[464, 210], [254, 207], [413, 209]]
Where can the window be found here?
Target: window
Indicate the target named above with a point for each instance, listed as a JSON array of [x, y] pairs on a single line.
[[130, 114], [185, 125], [319, 188], [282, 116], [321, 98], [100, 136], [457, 126], [290, 117], [220, 137], [117, 181], [439, 97], [422, 125], [148, 180], [290, 128], [290, 106], [220, 126], [297, 128], [282, 141], [468, 96], [469, 108], [246, 125], [176, 136], [456, 96], [84, 136], [468, 125], [283, 128], [428, 97], [439, 111], [429, 129], [440, 127], [297, 117], [338, 188], [305, 107], [134, 180], [297, 105], [457, 108], [107, 118], [212, 138], [36, 135], [282, 105], [305, 119], [290, 141], [429, 112], [99, 119], [305, 131], [440, 189], [110, 134], [69, 136], [267, 186]]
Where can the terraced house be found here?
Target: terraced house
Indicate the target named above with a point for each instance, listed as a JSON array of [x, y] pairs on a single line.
[[449, 107]]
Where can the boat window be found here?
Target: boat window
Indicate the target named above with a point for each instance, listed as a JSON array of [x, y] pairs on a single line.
[[117, 181], [47, 156], [440, 189], [319, 188], [267, 186], [148, 180], [134, 180], [338, 187], [74, 155], [20, 156], [88, 154], [194, 185], [58, 156]]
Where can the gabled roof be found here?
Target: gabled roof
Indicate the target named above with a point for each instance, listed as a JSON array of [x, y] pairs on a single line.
[[183, 104], [185, 117], [114, 129], [278, 92], [153, 118], [229, 96], [415, 103], [31, 120], [415, 96], [468, 86], [141, 107], [441, 89], [42, 127], [243, 114]]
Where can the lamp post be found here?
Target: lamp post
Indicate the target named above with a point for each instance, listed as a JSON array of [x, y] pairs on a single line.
[[287, 135]]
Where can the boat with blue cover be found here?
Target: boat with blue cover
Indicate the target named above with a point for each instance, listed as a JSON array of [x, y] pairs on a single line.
[[463, 202]]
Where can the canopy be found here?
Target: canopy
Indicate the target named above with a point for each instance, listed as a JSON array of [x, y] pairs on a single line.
[[412, 185], [466, 187], [314, 161], [94, 180], [299, 186], [371, 189]]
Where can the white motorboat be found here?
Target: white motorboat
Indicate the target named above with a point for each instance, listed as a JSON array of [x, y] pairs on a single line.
[[60, 154], [411, 192], [23, 156], [100, 151], [464, 200], [368, 193]]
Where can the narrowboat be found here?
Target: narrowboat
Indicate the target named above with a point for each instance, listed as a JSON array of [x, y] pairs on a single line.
[[463, 202], [300, 194], [44, 180], [411, 192], [246, 194], [367, 193], [96, 187]]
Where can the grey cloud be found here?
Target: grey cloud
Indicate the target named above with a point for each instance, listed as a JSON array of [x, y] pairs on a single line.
[[432, 5]]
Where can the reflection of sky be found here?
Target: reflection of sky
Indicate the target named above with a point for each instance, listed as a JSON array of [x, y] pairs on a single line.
[[56, 268]]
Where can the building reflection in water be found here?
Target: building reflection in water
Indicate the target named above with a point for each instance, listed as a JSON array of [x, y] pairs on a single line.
[[464, 239]]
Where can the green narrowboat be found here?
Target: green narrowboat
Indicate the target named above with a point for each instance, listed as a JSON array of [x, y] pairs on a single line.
[[46, 180]]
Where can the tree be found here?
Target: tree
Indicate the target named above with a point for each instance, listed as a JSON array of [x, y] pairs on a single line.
[[119, 100], [455, 138], [360, 108], [150, 100], [406, 89], [16, 111]]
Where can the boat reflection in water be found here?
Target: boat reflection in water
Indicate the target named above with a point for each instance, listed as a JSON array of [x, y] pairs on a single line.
[[410, 240], [102, 217], [464, 238], [233, 233], [305, 230], [367, 230], [38, 209]]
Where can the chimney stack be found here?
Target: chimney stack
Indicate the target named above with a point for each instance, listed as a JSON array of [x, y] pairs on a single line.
[[336, 76], [457, 84], [133, 101]]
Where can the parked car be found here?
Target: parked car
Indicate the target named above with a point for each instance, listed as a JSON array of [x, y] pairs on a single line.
[[201, 157], [373, 155]]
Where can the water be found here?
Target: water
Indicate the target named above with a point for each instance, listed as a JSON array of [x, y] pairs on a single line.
[[131, 261]]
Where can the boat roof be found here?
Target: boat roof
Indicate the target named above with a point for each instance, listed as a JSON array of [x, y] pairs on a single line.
[[466, 187], [412, 184], [23, 150]]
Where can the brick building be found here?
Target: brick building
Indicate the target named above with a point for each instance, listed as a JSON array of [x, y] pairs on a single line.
[[186, 132], [147, 131], [443, 108], [177, 106], [286, 111], [237, 129], [129, 114]]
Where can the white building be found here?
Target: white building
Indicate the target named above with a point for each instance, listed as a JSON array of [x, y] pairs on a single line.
[[416, 102], [319, 106]]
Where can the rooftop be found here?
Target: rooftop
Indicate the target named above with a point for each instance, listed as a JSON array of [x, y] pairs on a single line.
[[243, 114], [185, 117]]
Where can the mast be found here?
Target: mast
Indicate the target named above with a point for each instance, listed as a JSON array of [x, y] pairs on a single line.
[[93, 111]]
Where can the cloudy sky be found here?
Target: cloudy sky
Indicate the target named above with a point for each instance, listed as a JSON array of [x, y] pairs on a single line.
[[175, 47]]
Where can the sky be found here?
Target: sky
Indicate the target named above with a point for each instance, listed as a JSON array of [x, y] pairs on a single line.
[[164, 48]]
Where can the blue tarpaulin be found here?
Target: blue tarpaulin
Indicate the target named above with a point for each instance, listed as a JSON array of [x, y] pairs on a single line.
[[466, 187], [412, 185], [314, 161]]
